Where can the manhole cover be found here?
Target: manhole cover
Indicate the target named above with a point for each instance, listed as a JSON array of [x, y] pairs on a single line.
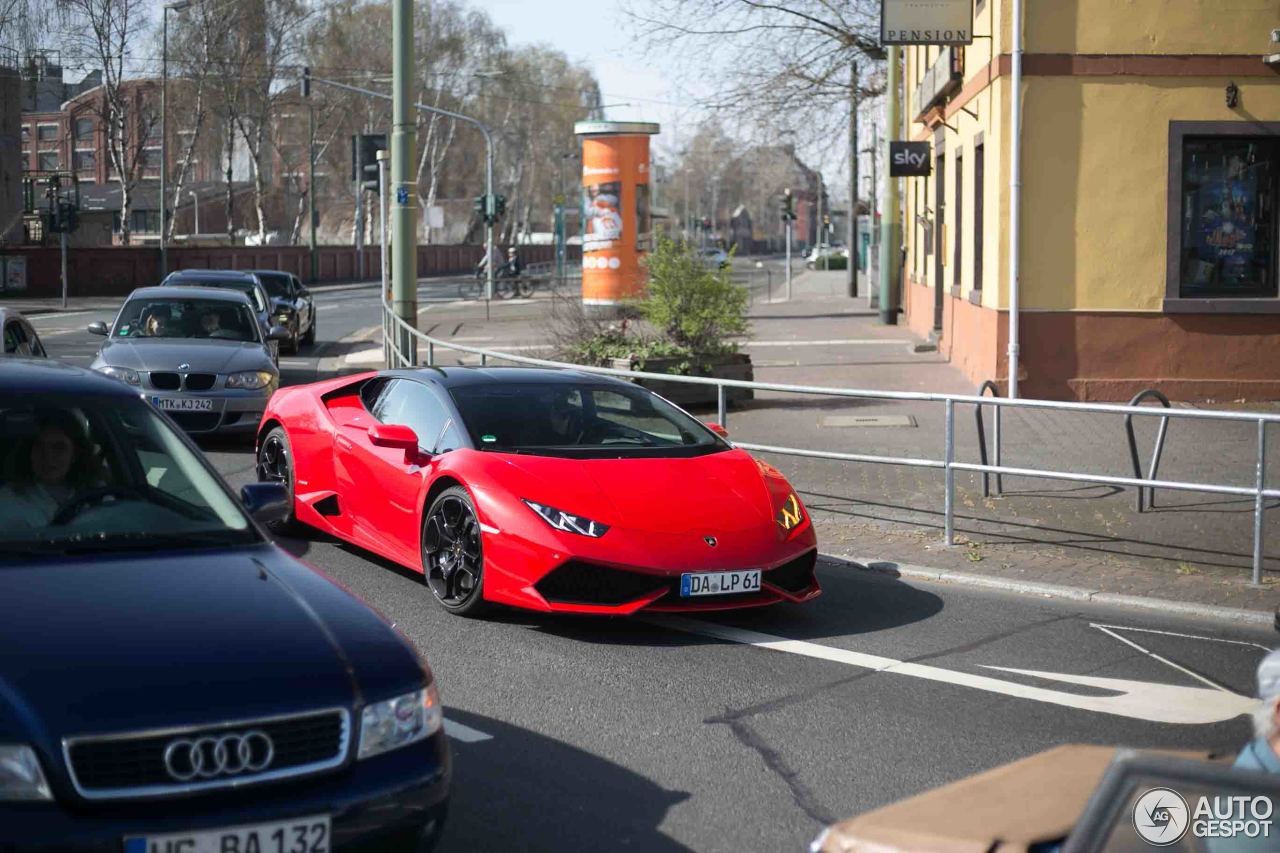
[[866, 421]]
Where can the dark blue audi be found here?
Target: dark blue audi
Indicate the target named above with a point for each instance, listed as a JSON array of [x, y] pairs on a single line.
[[170, 680]]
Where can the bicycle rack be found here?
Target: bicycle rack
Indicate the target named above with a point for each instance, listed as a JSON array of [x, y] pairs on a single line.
[[1155, 455], [982, 438]]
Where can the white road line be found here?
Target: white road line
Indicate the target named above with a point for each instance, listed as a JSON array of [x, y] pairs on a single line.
[[295, 362], [466, 734], [59, 315], [1197, 676], [1183, 636], [839, 342], [1139, 700]]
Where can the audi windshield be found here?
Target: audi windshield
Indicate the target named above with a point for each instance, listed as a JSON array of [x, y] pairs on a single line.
[[105, 474], [580, 420]]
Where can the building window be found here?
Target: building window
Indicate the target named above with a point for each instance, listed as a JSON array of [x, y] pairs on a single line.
[[1228, 217], [48, 161], [959, 204], [140, 221], [84, 131], [26, 132], [85, 161], [47, 132], [979, 211]]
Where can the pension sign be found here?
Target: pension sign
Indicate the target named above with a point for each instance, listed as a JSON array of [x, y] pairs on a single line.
[[926, 21]]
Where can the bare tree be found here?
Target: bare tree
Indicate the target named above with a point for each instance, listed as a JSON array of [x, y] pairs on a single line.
[[107, 31], [791, 61]]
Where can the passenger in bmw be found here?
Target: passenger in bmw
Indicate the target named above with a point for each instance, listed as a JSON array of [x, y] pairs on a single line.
[[47, 469]]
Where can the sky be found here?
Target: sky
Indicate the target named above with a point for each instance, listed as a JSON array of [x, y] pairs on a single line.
[[601, 36]]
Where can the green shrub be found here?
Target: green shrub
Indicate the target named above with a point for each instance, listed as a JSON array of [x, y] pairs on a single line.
[[694, 307]]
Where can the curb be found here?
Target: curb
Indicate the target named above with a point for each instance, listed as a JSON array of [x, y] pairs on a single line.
[[1046, 590]]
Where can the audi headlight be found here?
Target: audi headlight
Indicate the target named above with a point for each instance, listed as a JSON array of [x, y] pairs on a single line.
[[250, 380], [124, 374], [398, 722], [561, 520], [20, 775], [282, 317], [791, 514]]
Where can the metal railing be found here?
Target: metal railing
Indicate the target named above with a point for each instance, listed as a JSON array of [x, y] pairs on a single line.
[[400, 349]]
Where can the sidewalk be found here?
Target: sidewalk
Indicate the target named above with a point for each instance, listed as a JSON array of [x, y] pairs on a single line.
[[1189, 548]]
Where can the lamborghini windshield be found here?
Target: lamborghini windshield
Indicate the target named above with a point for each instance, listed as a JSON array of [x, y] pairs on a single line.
[[570, 419]]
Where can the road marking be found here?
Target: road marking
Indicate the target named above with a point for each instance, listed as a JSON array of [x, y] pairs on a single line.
[[1183, 636], [295, 362], [1130, 643], [1139, 700], [61, 315], [473, 340], [838, 342], [466, 734]]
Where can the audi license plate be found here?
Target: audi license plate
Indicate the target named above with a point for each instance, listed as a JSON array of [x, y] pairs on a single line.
[[183, 404], [300, 835], [719, 583]]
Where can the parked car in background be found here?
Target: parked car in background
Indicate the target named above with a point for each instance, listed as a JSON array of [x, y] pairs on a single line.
[[713, 257], [19, 335], [292, 306], [196, 353], [830, 252], [172, 679], [245, 282]]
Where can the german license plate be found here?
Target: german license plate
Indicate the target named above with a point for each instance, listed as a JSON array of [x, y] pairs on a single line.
[[719, 583], [300, 835], [183, 404]]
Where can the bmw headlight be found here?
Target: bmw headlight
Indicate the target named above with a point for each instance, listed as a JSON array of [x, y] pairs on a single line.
[[561, 520], [124, 374], [20, 775], [791, 513], [250, 380], [398, 722]]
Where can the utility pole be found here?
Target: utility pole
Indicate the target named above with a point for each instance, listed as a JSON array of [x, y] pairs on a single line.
[[359, 222], [404, 143], [383, 269], [851, 274], [311, 172], [891, 226]]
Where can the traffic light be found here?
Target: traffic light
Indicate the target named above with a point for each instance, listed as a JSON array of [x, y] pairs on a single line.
[[491, 207], [482, 207], [499, 207], [788, 206], [364, 158]]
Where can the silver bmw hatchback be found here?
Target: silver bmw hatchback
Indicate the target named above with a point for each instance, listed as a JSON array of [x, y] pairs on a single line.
[[198, 354]]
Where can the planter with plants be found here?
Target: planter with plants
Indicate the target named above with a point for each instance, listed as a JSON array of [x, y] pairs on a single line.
[[687, 324]]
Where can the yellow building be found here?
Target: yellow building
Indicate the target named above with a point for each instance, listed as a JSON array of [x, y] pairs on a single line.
[[1150, 247]]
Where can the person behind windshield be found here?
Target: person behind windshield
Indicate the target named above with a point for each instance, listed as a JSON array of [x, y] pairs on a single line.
[[563, 424], [157, 325], [210, 323], [53, 467]]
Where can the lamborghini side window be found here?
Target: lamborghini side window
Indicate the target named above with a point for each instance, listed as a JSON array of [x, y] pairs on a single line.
[[371, 392], [411, 404]]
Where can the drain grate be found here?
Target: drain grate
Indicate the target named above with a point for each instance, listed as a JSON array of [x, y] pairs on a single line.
[[827, 421]]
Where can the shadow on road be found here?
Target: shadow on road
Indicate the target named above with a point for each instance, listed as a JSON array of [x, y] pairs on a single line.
[[525, 791]]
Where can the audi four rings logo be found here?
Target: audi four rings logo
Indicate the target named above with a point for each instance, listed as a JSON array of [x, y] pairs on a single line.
[[224, 755]]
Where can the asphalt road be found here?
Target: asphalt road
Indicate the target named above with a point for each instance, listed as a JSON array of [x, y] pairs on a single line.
[[751, 731]]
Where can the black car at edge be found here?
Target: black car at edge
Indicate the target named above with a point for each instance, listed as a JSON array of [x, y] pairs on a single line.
[[170, 680]]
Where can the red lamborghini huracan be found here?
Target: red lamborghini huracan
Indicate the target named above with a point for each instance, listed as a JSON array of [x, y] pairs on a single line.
[[543, 489]]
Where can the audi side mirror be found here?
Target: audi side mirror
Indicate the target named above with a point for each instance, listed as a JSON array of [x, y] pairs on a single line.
[[278, 333], [268, 503], [97, 327]]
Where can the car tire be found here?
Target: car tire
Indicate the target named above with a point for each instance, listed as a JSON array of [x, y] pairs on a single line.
[[454, 574], [274, 464], [310, 337]]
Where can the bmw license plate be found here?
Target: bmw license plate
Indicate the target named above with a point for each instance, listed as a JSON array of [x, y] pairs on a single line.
[[300, 835], [719, 583], [183, 404]]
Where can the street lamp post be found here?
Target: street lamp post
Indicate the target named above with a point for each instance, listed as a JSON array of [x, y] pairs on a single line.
[[195, 209], [176, 6]]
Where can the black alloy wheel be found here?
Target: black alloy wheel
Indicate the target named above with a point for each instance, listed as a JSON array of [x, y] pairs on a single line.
[[452, 557], [310, 337], [275, 465]]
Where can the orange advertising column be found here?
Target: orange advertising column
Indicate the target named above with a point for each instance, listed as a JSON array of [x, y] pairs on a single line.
[[617, 230]]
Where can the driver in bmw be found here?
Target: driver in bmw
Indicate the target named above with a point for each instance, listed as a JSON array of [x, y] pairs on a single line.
[[52, 467]]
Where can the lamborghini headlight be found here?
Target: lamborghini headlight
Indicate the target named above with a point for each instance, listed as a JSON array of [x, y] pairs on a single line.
[[561, 520], [791, 514], [398, 722]]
